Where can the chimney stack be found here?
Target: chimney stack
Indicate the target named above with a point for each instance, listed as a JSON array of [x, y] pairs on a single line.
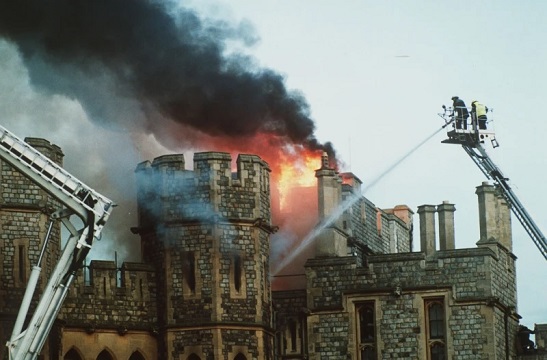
[[488, 202], [427, 228], [330, 242], [446, 226], [504, 220]]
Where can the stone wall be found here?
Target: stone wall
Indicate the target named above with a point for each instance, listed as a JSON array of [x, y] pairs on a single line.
[[473, 283]]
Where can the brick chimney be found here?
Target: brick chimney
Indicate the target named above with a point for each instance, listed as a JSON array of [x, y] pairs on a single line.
[[427, 228], [446, 226]]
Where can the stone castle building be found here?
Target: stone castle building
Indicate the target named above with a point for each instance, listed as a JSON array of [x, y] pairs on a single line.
[[204, 287]]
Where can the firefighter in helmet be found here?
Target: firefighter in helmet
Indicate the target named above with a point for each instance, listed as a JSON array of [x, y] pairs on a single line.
[[461, 112]]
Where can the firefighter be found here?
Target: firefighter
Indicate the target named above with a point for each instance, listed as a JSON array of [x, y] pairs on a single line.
[[461, 112], [479, 111]]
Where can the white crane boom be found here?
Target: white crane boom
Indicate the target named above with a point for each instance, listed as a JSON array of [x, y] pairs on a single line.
[[77, 199]]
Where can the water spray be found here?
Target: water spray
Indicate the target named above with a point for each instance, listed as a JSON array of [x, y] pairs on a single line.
[[344, 206]]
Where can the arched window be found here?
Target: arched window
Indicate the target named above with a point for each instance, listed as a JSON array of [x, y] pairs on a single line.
[[105, 355], [193, 357], [240, 356], [137, 356], [72, 354]]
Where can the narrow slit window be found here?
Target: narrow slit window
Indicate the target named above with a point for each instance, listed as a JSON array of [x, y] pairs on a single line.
[[237, 273], [22, 264], [189, 270]]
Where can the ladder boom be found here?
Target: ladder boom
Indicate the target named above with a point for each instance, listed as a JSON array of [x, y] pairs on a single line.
[[77, 199], [471, 140], [487, 166]]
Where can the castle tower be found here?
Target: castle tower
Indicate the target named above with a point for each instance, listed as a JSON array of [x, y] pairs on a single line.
[[207, 233], [24, 219]]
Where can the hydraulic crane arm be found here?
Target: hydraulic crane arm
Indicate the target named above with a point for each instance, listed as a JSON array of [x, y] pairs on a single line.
[[471, 141], [487, 166], [92, 208]]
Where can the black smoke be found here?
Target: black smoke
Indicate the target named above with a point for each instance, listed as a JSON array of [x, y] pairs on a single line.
[[160, 56]]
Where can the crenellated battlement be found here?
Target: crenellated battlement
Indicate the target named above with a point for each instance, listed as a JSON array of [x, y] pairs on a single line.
[[167, 191], [106, 296]]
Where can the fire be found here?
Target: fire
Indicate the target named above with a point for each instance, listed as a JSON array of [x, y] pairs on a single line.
[[293, 165], [296, 172]]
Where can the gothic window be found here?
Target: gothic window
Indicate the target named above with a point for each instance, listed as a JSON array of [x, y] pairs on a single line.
[[72, 354], [105, 355], [436, 334], [366, 331], [189, 270], [136, 356], [193, 357], [240, 356]]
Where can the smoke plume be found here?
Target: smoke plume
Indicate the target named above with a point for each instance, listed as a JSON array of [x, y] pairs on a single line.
[[165, 58], [152, 77]]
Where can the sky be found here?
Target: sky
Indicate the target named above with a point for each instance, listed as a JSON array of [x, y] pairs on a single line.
[[374, 75]]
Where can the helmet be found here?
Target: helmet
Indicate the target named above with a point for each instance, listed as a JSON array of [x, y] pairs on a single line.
[[455, 97]]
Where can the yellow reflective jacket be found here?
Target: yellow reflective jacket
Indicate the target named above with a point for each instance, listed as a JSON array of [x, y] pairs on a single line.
[[479, 108]]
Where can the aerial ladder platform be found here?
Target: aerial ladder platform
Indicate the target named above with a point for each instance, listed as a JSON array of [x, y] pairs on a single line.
[[91, 208], [472, 139]]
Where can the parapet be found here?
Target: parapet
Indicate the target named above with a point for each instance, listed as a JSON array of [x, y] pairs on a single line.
[[50, 150], [168, 192], [174, 162], [106, 295]]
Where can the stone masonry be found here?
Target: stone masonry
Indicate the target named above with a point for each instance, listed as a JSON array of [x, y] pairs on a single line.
[[203, 288]]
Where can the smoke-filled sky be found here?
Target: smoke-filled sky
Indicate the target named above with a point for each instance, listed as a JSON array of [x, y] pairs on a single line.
[[115, 83]]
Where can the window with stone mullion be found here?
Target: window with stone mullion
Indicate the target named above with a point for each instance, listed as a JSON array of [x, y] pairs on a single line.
[[366, 330], [436, 332]]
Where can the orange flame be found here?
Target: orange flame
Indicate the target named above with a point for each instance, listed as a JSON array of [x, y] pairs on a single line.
[[296, 172], [292, 165]]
